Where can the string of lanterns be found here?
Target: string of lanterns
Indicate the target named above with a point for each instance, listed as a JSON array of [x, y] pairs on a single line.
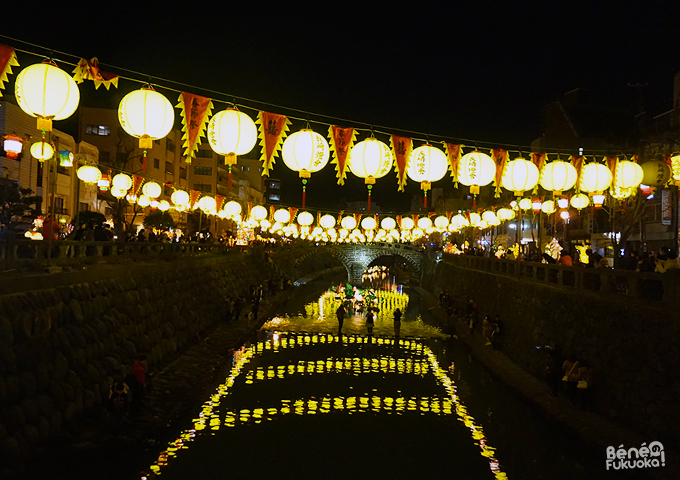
[[48, 93]]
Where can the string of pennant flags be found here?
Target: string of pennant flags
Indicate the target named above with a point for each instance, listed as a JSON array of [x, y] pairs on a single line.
[[466, 164]]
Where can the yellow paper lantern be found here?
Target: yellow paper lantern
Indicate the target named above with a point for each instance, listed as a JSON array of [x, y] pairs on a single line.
[[424, 223], [548, 207], [407, 223], [441, 222], [475, 219], [558, 176], [180, 198], [388, 223], [579, 201], [458, 221], [327, 221], [675, 166], [628, 175], [655, 173], [305, 219], [258, 213], [143, 201], [151, 190], [427, 164], [89, 174], [207, 204], [118, 193], [348, 223], [147, 115], [282, 216], [122, 182], [231, 133], [525, 204], [47, 92], [163, 206], [234, 208], [370, 159], [595, 177], [519, 176], [489, 217], [475, 170], [369, 223], [505, 214], [305, 152], [42, 150]]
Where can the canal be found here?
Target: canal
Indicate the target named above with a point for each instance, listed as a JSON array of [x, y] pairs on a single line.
[[303, 400]]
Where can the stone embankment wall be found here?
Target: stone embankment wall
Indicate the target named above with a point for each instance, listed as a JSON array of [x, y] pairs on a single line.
[[61, 347], [632, 347]]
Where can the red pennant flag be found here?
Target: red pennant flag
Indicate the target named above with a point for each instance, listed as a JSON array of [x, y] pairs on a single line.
[[453, 154], [272, 209], [401, 149], [193, 197], [538, 159], [136, 183], [612, 162], [273, 130], [399, 221], [195, 112], [577, 162], [292, 211], [8, 59], [448, 214], [341, 142], [431, 214], [357, 218], [89, 70], [499, 156], [219, 200], [340, 216]]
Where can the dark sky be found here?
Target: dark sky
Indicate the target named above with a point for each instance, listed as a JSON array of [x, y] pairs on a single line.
[[480, 71]]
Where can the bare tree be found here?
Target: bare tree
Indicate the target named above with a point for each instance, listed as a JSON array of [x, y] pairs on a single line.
[[624, 217]]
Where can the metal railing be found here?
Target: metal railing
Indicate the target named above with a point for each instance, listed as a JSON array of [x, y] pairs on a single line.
[[655, 287], [18, 250]]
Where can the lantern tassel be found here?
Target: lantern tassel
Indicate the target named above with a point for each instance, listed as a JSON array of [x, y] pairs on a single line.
[[369, 198], [144, 162], [304, 193], [474, 202], [229, 181]]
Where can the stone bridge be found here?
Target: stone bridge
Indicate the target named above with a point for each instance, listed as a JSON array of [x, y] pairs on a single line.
[[356, 258]]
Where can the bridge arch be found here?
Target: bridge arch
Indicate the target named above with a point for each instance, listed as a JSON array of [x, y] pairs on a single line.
[[357, 258]]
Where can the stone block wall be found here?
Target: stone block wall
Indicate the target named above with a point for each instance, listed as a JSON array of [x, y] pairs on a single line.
[[61, 347], [633, 348]]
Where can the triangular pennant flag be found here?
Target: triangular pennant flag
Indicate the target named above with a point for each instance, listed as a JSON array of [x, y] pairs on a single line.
[[453, 153], [89, 70], [195, 112], [219, 200], [292, 211], [357, 218], [136, 183], [193, 197], [341, 142], [272, 209], [401, 149], [577, 162], [273, 131], [8, 59], [612, 163], [499, 157], [340, 216]]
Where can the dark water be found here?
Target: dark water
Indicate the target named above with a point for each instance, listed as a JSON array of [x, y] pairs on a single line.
[[305, 402]]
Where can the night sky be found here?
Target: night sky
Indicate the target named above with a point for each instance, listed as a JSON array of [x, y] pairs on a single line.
[[478, 74]]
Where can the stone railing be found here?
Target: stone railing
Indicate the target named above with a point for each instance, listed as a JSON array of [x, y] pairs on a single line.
[[19, 250], [655, 287]]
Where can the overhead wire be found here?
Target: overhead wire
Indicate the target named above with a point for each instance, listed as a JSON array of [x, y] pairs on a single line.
[[370, 127]]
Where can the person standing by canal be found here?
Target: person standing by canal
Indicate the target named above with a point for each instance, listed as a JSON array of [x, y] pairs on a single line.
[[487, 330], [369, 321], [397, 323], [340, 313]]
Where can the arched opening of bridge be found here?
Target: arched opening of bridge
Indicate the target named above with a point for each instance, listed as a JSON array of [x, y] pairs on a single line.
[[390, 268]]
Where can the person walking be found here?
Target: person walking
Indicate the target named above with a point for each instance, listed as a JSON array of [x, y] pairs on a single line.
[[397, 323], [340, 313], [487, 330], [369, 321]]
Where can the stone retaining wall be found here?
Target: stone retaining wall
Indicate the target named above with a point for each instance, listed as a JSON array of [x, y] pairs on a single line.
[[61, 347], [633, 348]]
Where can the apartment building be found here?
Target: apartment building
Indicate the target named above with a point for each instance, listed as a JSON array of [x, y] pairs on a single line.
[[49, 178]]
